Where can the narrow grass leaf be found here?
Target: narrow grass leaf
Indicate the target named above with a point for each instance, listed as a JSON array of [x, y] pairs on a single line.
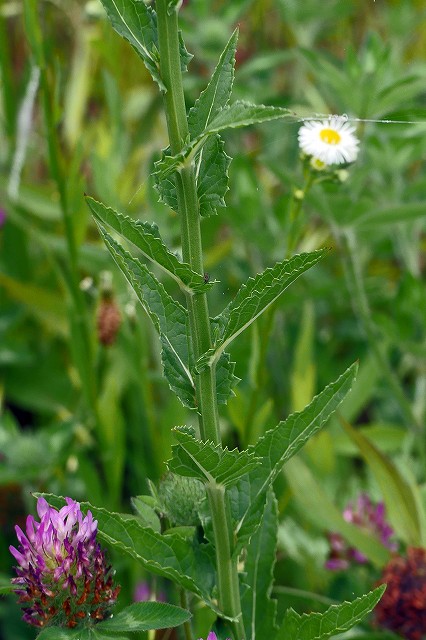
[[401, 506], [315, 505], [259, 610], [208, 462], [146, 237]]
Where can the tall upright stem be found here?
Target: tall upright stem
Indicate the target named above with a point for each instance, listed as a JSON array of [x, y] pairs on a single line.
[[81, 332], [192, 250]]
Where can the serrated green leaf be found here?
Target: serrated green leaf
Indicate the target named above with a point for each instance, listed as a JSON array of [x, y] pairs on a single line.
[[212, 166], [259, 610], [401, 507], [137, 23], [184, 562], [208, 462], [277, 446], [146, 237], [239, 114], [225, 378], [253, 298], [143, 616], [169, 318], [216, 95], [212, 162], [337, 619]]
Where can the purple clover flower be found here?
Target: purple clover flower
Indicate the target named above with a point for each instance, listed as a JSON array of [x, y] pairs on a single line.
[[367, 516], [62, 575]]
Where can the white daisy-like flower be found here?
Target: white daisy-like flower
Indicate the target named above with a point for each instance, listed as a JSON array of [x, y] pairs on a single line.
[[331, 141]]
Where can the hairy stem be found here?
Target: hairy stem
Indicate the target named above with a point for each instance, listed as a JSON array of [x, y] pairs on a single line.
[[188, 206]]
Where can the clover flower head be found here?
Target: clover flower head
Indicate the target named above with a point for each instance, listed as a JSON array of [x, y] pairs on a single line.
[[402, 608], [62, 575], [367, 516], [331, 141]]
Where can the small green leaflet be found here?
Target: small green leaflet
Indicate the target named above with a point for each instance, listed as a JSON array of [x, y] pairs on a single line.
[[137, 22], [337, 619], [259, 610], [144, 616], [208, 462], [147, 238], [239, 114], [253, 298], [276, 447]]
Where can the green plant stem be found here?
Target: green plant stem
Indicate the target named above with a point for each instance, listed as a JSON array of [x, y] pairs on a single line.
[[71, 274], [188, 206], [362, 308], [186, 625]]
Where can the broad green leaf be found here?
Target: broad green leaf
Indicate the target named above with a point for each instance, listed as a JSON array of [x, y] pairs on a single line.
[[314, 503], [208, 462], [216, 95], [337, 619], [136, 21], [169, 318], [277, 446], [253, 298], [259, 610], [147, 238], [62, 633], [183, 561], [143, 616], [239, 114], [400, 502]]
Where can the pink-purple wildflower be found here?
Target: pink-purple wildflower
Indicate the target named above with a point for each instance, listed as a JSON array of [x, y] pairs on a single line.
[[367, 516], [62, 575]]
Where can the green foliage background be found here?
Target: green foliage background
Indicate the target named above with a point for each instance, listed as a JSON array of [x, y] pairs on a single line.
[[365, 301]]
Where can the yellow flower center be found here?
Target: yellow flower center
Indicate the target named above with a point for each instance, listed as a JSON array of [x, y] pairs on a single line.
[[330, 136]]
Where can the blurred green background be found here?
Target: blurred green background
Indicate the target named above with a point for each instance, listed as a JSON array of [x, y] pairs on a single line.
[[87, 419]]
